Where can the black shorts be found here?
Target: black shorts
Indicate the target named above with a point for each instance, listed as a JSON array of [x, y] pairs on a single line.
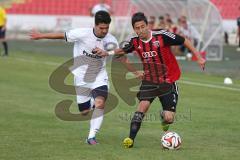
[[2, 33], [166, 92], [100, 91]]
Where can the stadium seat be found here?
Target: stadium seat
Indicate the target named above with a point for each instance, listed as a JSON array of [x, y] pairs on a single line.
[[229, 10], [81, 7]]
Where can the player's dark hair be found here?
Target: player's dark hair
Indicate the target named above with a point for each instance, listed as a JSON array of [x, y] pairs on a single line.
[[139, 16], [102, 17]]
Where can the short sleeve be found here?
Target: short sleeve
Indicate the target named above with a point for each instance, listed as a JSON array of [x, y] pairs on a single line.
[[111, 43], [128, 47], [114, 41], [170, 38], [75, 35]]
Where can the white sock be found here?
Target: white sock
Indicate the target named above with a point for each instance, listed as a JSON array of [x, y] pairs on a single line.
[[96, 122]]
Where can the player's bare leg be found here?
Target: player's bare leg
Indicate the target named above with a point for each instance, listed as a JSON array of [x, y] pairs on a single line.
[[96, 120], [85, 112], [167, 119], [136, 123]]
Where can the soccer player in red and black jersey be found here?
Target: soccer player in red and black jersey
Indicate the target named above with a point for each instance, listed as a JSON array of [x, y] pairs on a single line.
[[161, 71]]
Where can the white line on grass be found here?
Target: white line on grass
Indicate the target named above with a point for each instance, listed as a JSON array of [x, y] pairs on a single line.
[[190, 82], [208, 81], [208, 85], [38, 62]]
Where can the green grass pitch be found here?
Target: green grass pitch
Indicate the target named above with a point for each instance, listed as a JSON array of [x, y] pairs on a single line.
[[207, 118]]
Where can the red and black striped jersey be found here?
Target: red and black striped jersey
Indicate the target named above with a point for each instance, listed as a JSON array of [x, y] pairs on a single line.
[[159, 63]]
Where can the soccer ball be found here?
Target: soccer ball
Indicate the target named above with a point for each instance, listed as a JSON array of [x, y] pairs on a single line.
[[171, 140]]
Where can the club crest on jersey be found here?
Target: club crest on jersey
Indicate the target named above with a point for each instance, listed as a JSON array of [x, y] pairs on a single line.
[[156, 44]]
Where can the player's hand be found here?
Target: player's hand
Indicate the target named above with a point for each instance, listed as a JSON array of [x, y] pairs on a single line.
[[139, 74], [201, 61], [35, 35], [100, 52]]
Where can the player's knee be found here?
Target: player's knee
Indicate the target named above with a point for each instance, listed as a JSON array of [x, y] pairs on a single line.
[[144, 106], [169, 117], [99, 102], [85, 112], [84, 108], [169, 120]]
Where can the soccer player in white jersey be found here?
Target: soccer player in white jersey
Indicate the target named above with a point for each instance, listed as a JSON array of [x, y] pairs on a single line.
[[92, 76]]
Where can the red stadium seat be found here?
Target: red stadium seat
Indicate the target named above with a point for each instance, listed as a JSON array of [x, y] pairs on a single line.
[[229, 10], [81, 7]]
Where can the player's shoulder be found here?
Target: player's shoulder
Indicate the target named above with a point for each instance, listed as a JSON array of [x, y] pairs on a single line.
[[110, 37], [132, 38], [82, 30], [163, 32], [159, 31]]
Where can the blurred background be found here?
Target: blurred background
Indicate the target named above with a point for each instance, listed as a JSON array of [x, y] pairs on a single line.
[[208, 109], [210, 25]]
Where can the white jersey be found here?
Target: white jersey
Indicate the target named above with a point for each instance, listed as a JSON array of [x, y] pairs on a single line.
[[88, 67]]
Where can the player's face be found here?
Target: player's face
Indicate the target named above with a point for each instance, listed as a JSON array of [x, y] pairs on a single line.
[[141, 29], [101, 29]]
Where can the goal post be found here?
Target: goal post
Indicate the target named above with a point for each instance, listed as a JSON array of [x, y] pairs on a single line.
[[202, 15]]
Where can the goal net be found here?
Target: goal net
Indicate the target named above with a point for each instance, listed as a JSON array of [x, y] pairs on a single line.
[[202, 16]]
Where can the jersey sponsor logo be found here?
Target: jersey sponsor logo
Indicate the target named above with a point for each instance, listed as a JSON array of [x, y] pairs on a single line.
[[156, 44], [91, 55], [149, 54]]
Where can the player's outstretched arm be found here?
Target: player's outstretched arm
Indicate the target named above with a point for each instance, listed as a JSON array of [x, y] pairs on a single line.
[[104, 53], [131, 68], [36, 35], [201, 61]]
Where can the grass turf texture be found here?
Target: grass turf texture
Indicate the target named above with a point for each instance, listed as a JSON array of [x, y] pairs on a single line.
[[207, 118]]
